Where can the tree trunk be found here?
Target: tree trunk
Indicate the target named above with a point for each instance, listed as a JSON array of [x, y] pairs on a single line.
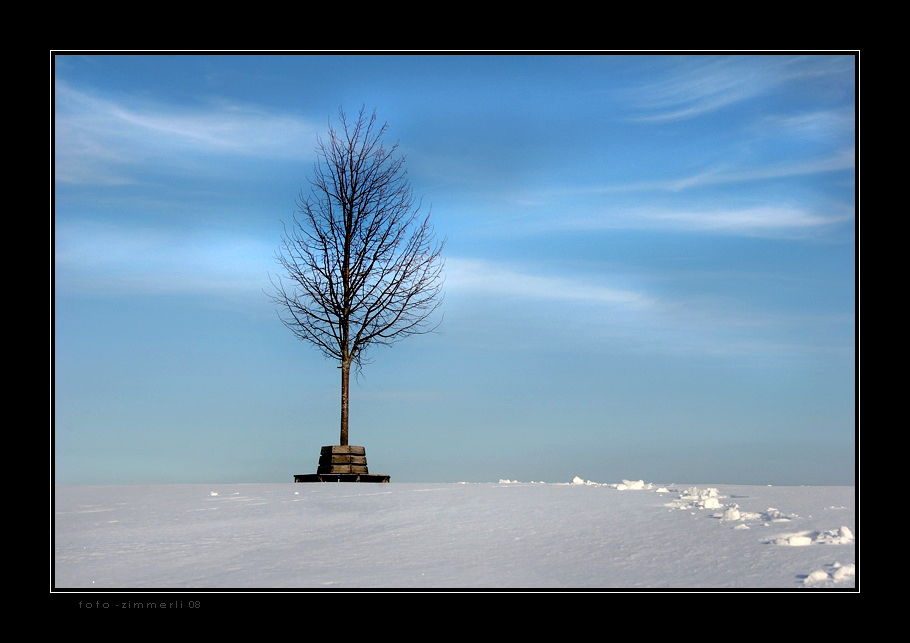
[[345, 381]]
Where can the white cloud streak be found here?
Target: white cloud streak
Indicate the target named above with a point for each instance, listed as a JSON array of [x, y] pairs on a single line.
[[100, 140], [700, 85], [487, 277], [772, 218], [771, 221], [624, 318], [757, 220], [842, 160]]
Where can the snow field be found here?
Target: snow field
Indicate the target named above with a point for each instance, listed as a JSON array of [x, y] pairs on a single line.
[[579, 535]]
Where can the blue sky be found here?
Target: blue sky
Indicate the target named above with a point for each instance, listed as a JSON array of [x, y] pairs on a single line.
[[650, 268]]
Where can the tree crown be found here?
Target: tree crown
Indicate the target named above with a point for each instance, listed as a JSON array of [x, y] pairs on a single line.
[[363, 263]]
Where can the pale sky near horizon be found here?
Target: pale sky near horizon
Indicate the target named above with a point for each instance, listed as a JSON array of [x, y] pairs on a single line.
[[650, 268]]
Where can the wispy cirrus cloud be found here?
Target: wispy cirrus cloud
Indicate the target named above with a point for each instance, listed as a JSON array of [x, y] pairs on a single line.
[[833, 124], [490, 277], [754, 220], [698, 85], [775, 210], [718, 175], [598, 311], [771, 220], [106, 140], [844, 159]]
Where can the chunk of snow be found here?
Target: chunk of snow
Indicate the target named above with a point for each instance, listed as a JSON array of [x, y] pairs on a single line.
[[694, 493], [844, 572], [731, 513], [577, 480], [842, 536], [817, 576], [775, 515], [794, 540]]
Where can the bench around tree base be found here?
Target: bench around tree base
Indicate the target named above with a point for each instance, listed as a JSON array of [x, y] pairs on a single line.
[[341, 477]]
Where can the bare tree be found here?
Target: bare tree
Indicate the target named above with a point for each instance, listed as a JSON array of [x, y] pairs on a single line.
[[363, 264]]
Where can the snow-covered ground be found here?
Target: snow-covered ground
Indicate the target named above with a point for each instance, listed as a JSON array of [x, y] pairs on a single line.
[[576, 534]]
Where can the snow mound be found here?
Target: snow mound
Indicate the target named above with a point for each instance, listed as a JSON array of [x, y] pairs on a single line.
[[694, 493], [733, 513], [842, 536], [695, 498], [633, 484], [625, 485], [775, 515], [579, 481], [816, 577], [793, 540], [844, 572], [841, 574]]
